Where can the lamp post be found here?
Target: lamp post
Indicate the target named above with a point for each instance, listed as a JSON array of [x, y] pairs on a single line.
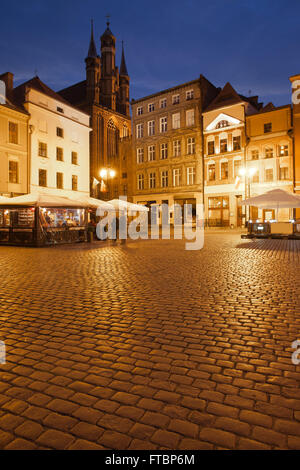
[[105, 175], [248, 173]]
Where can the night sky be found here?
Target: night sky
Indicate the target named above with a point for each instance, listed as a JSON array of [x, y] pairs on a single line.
[[253, 44]]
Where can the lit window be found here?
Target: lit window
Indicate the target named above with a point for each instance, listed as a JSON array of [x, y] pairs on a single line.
[[236, 143], [283, 173], [211, 172], [151, 153], [140, 182], [74, 183], [59, 180], [151, 127], [164, 151], [13, 172], [224, 170], [254, 154], [223, 145], [59, 132], [283, 150], [236, 167], [191, 173], [269, 152], [139, 131], [176, 121], [13, 132], [190, 145], [164, 179]]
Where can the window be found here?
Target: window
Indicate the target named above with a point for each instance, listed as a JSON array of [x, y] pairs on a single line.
[[223, 145], [283, 150], [163, 103], [236, 167], [60, 110], [13, 172], [236, 143], [267, 127], [211, 147], [124, 176], [269, 174], [140, 155], [140, 182], [42, 149], [164, 179], [59, 132], [190, 145], [59, 180], [74, 183], [139, 131], [190, 94], [152, 180], [163, 124], [151, 153], [222, 124], [190, 117], [176, 121], [151, 127], [175, 99], [43, 178], [112, 140], [269, 152], [254, 154], [176, 148], [125, 189], [255, 177], [139, 111], [176, 177], [283, 173], [13, 132], [150, 107], [190, 176], [164, 151], [59, 154], [211, 172], [224, 170], [125, 131], [74, 158]]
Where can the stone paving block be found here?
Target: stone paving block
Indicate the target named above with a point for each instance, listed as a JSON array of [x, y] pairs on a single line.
[[166, 439], [218, 437], [55, 439]]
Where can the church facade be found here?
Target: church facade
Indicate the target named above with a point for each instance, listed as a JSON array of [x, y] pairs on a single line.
[[104, 95]]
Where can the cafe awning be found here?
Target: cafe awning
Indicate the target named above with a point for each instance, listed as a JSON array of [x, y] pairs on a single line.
[[121, 205], [275, 199], [42, 200]]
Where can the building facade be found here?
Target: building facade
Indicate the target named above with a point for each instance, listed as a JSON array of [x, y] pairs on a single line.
[[14, 162], [167, 165], [295, 81], [58, 141], [104, 95]]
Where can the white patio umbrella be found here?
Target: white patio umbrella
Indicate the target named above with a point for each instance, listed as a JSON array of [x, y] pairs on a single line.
[[93, 202], [275, 199], [120, 205], [42, 200]]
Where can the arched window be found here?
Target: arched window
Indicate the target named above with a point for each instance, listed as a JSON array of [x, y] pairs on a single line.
[[222, 124], [112, 140]]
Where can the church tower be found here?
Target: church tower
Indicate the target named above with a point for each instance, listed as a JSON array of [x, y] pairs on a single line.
[[93, 72], [109, 74], [124, 86]]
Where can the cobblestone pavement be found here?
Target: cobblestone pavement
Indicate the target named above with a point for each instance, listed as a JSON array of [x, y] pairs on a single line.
[[149, 346]]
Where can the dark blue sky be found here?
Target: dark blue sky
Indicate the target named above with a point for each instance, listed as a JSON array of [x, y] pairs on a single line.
[[254, 44]]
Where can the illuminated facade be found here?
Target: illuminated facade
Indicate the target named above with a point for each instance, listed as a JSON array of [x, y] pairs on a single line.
[[58, 141], [295, 81], [104, 95]]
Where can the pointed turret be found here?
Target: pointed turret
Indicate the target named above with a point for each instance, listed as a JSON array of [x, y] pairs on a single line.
[[124, 107], [109, 72], [92, 49]]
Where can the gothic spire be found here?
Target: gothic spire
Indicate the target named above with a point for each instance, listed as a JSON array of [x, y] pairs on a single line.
[[92, 49], [123, 68]]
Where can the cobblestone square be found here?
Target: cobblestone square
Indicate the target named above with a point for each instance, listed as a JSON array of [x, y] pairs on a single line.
[[149, 346]]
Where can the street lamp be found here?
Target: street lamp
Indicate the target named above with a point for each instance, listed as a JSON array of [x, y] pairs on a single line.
[[106, 174], [248, 173]]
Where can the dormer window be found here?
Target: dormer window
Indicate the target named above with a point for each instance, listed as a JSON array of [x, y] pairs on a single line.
[[222, 124]]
